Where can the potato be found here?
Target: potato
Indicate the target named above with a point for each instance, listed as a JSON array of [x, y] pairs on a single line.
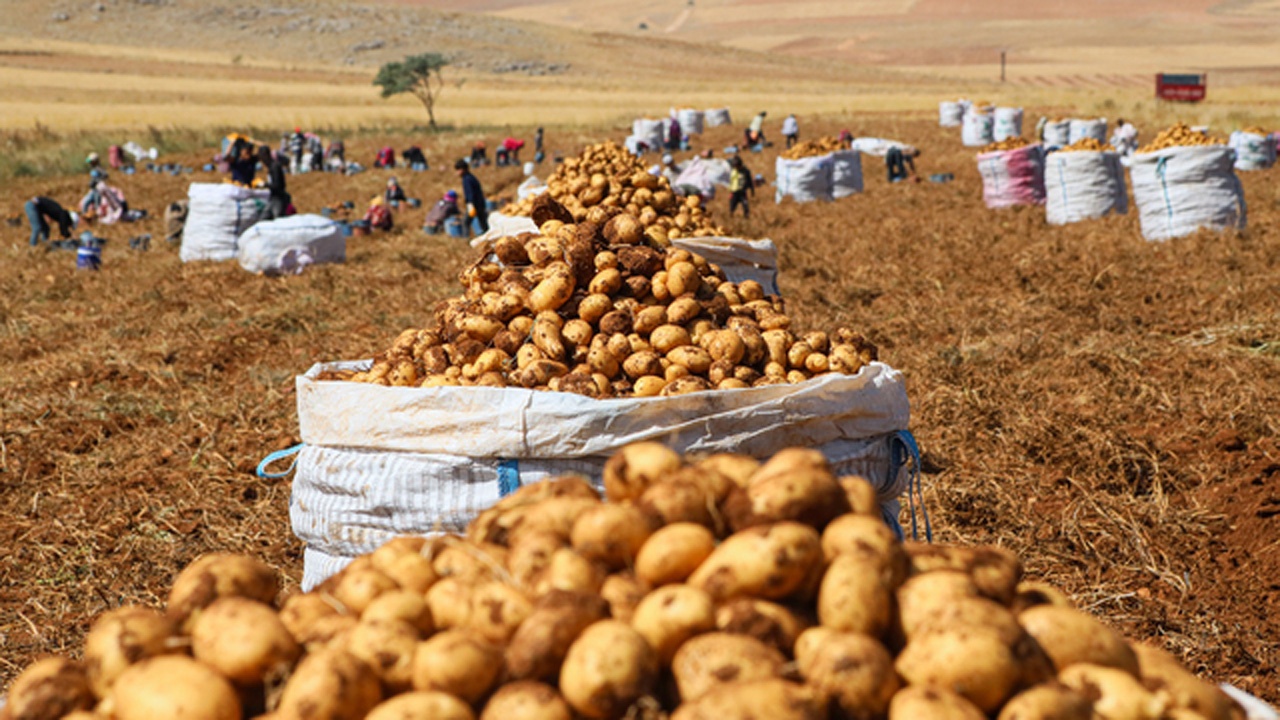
[[724, 345], [325, 631], [538, 647], [675, 501], [681, 311], [244, 640], [388, 646], [1072, 636], [1116, 694], [861, 496], [1161, 673], [612, 534], [331, 684], [649, 386], [357, 586], [738, 468], [547, 338], [567, 570], [220, 575], [770, 562], [172, 686], [926, 701], [497, 609], [855, 672], [552, 291], [422, 706], [638, 365], [457, 662], [403, 560], [716, 658], [970, 661], [637, 466], [404, 605], [995, 571], [553, 515], [48, 689], [607, 669], [1049, 701], [673, 552], [526, 700], [1030, 594], [670, 615], [449, 602], [121, 638], [623, 592], [692, 358], [866, 537], [771, 698], [856, 595], [770, 623], [802, 493]]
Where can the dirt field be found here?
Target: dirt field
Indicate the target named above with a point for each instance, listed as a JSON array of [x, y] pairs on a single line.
[[1102, 405]]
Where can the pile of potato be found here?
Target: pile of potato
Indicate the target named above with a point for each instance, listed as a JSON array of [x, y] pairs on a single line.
[[606, 175], [602, 309], [1087, 144], [814, 148], [1179, 135], [1011, 143], [1255, 130], [719, 588]]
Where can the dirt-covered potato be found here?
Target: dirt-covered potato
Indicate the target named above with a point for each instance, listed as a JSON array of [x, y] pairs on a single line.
[[1029, 594], [221, 575], [301, 612], [474, 561], [172, 686], [864, 536], [677, 501], [358, 586], [404, 605], [1047, 701], [449, 602], [861, 496], [244, 640], [607, 669], [855, 672], [637, 466], [387, 646], [427, 705], [457, 662], [770, 562], [1072, 636], [995, 571], [47, 690], [927, 595], [330, 684], [792, 485], [738, 468], [717, 658], [672, 553], [526, 700], [774, 625], [611, 534], [497, 609], [623, 592], [856, 596], [1116, 694], [1161, 673], [539, 645], [405, 560], [972, 662], [672, 614], [917, 702], [568, 570], [123, 637], [771, 698]]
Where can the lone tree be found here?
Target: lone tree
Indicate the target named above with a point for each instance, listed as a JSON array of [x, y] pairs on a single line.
[[417, 74]]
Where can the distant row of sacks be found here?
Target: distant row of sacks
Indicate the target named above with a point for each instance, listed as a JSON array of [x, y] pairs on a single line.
[[653, 132]]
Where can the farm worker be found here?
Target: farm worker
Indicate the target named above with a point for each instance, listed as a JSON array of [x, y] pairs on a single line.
[[92, 161], [105, 203], [313, 158], [379, 216], [900, 162], [670, 170], [790, 129], [673, 136], [386, 158], [243, 164], [415, 159], [478, 155], [538, 154], [444, 209], [394, 194], [755, 131], [297, 143], [510, 148], [279, 200], [473, 196], [1125, 137], [846, 138], [336, 156], [741, 182], [42, 210]]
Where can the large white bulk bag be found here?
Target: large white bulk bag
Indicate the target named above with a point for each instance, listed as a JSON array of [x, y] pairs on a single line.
[[1095, 128], [1083, 185], [846, 173], [1179, 190], [690, 121], [951, 112], [649, 132], [530, 187], [977, 128], [1253, 151], [704, 175], [876, 146], [806, 179], [715, 117], [1056, 133], [217, 213], [290, 244], [501, 225], [1012, 177], [383, 461], [1008, 123]]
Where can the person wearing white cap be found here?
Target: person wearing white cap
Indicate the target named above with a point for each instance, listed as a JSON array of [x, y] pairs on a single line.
[[670, 170]]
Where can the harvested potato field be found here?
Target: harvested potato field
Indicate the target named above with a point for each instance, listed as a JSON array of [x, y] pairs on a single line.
[[1096, 403]]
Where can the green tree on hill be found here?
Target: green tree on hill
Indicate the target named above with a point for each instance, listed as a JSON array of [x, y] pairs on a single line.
[[416, 74]]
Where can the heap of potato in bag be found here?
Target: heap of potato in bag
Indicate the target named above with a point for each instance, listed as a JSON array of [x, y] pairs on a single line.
[[1009, 143], [1087, 144], [814, 148], [598, 308], [716, 588], [606, 175], [1179, 135]]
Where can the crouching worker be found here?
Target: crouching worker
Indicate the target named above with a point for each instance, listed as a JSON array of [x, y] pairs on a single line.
[[439, 213], [379, 215], [900, 162], [41, 211]]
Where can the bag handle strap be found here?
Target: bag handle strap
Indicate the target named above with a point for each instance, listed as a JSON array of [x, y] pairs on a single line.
[[276, 457]]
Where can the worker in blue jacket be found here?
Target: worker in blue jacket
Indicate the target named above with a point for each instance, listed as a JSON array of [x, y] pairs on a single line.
[[473, 196]]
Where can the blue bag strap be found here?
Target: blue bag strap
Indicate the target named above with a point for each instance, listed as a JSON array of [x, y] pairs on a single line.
[[905, 450], [508, 477], [276, 456]]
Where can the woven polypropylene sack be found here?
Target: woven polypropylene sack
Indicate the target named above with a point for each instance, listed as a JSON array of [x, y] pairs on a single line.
[[1007, 123], [977, 128], [264, 247], [650, 132], [690, 120], [1253, 151], [1012, 177], [383, 461], [1179, 190], [951, 113], [1083, 186], [1079, 129], [804, 180], [846, 173], [217, 214], [715, 117]]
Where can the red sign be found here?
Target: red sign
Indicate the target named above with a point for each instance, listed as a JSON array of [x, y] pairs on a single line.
[[1181, 88]]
